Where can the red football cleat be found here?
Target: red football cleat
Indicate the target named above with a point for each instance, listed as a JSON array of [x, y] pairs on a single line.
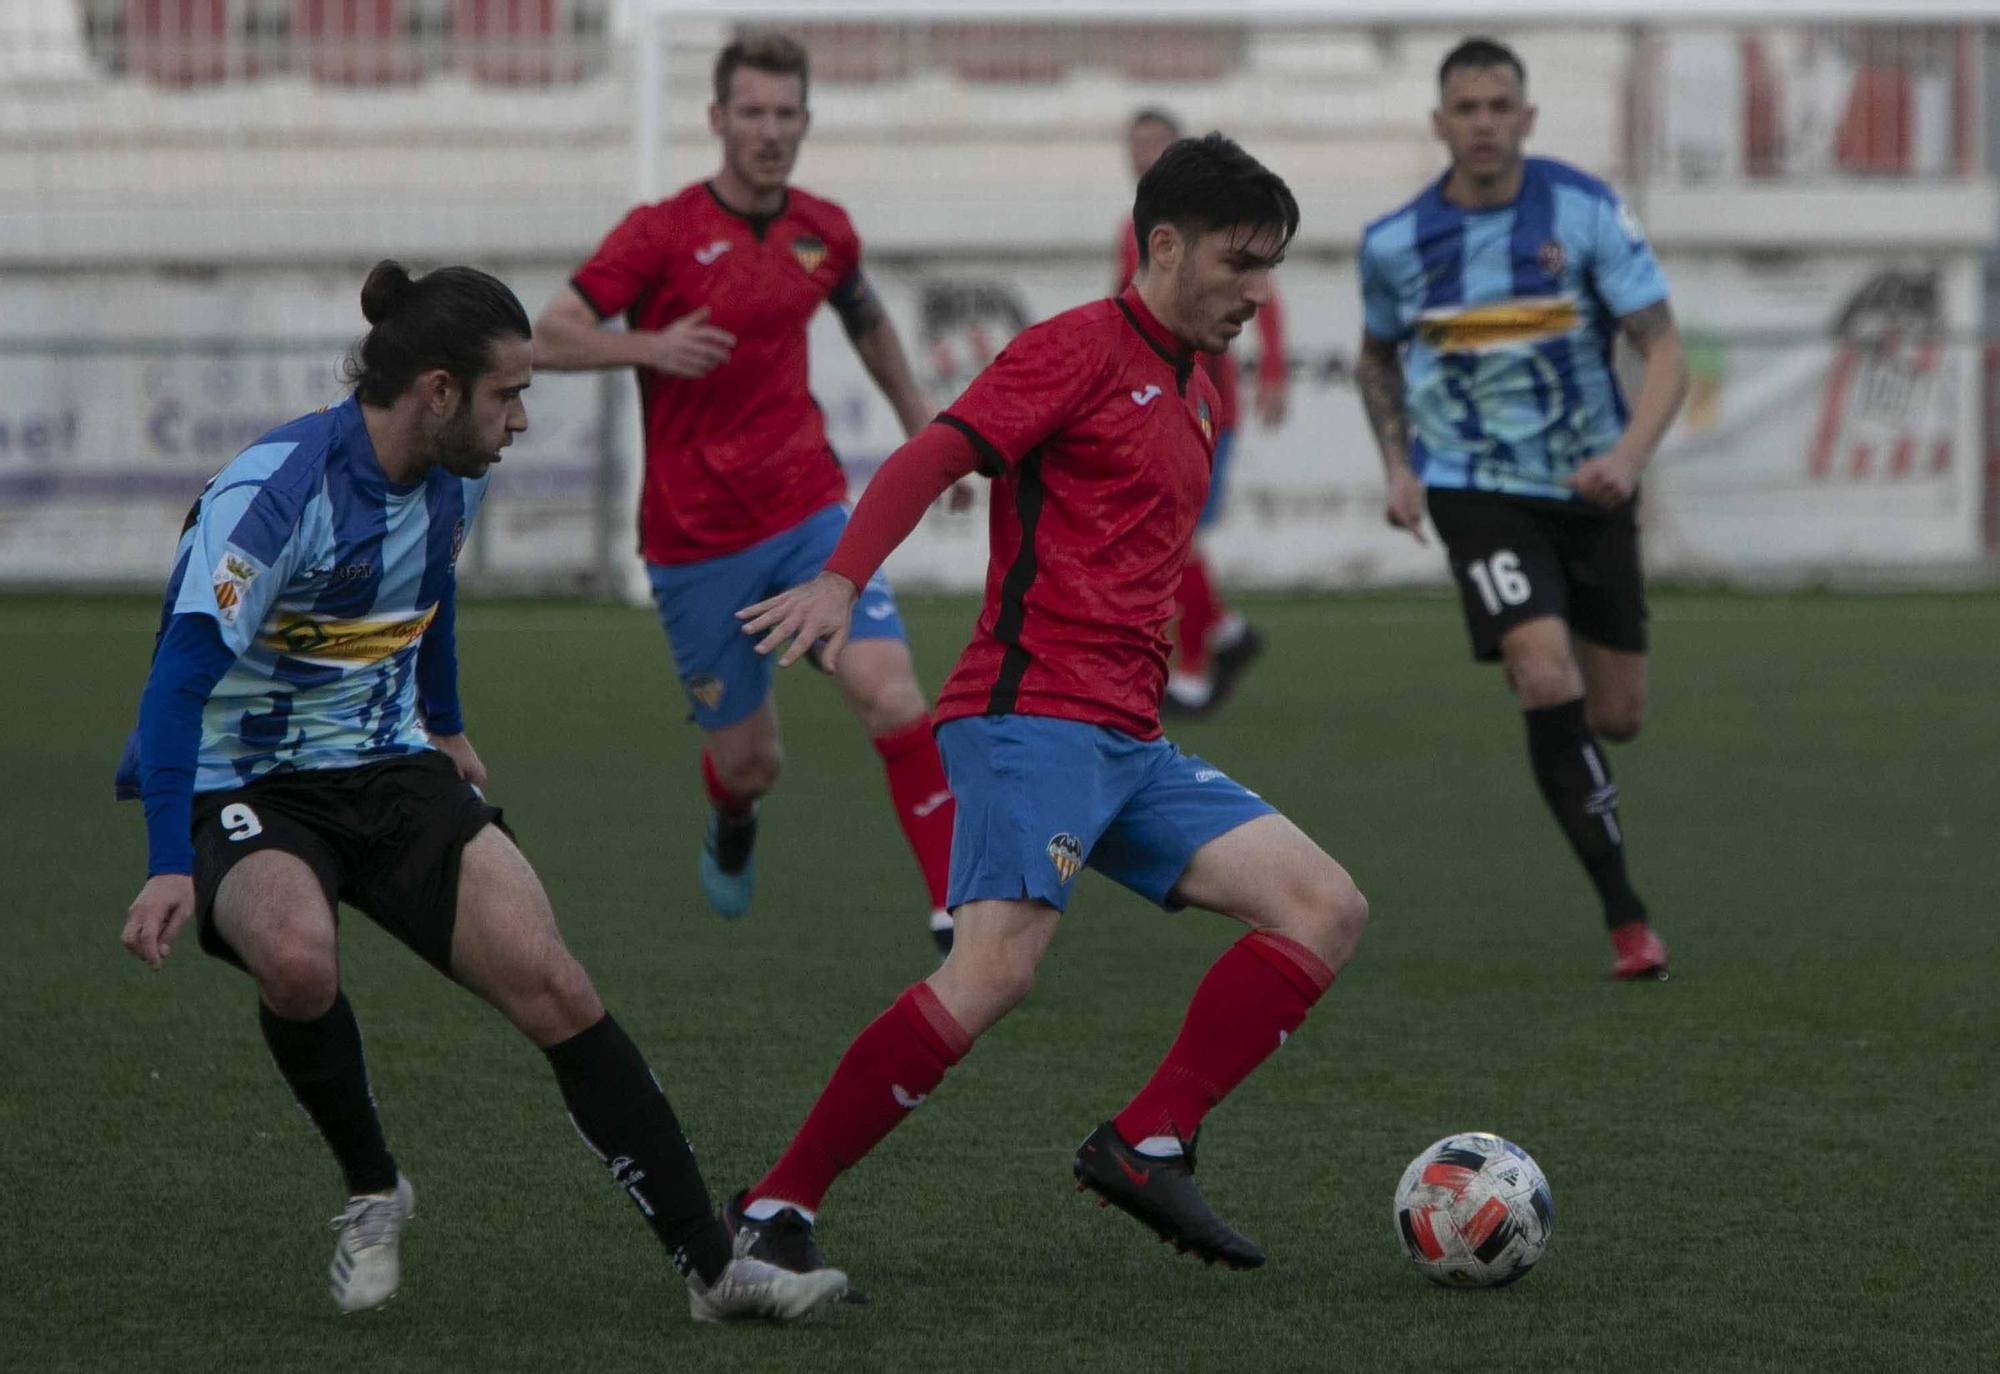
[[1638, 952]]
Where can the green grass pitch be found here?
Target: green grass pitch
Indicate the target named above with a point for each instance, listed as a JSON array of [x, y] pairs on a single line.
[[1781, 1159]]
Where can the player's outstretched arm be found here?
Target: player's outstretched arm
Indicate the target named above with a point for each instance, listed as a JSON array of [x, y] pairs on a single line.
[[569, 337], [1610, 479], [1378, 375], [190, 660], [914, 476]]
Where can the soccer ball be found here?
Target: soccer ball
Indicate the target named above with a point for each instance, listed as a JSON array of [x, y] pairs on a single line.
[[1473, 1211]]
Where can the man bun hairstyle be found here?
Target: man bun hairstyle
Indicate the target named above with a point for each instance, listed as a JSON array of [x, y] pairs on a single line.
[[1480, 54], [762, 51], [1206, 183], [449, 318]]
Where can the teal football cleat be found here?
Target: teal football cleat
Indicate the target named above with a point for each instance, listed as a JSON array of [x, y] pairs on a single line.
[[728, 869]]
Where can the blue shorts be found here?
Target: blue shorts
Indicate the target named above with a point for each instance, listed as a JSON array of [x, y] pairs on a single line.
[[1218, 479], [719, 667], [1041, 798]]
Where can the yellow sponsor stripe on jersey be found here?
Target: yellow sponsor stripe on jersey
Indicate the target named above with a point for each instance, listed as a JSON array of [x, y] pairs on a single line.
[[1502, 324], [336, 642]]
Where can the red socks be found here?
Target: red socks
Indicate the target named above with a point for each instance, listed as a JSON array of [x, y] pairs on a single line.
[[1253, 997], [732, 807], [1200, 612], [923, 803], [894, 1063]]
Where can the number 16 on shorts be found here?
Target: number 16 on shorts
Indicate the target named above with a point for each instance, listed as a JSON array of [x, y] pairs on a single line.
[[1499, 580]]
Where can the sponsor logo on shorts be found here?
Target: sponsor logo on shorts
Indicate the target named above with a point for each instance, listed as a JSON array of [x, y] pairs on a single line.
[[231, 579], [809, 252], [1066, 853], [878, 610], [706, 690]]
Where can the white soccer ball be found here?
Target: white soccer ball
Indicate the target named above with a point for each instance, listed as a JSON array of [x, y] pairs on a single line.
[[1473, 1211]]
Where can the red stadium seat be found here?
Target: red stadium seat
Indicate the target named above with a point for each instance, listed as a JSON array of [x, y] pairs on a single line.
[[517, 42], [1874, 134], [356, 42], [178, 42]]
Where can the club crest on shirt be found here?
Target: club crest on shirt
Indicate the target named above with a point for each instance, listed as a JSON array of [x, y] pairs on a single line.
[[457, 542], [1205, 420], [231, 579], [706, 689], [1066, 853], [809, 252], [1551, 259]]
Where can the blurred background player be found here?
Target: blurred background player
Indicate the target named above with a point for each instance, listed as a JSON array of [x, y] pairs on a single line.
[[1050, 722], [300, 743], [1213, 644], [742, 493], [1490, 306]]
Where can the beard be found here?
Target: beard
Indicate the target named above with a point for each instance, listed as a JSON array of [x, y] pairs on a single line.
[[457, 447]]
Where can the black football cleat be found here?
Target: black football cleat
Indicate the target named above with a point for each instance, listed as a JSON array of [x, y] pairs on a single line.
[[1232, 661], [1161, 1193], [785, 1240]]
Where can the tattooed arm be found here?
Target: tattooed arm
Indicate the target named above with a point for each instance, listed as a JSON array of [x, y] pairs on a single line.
[[1610, 479], [880, 350], [1378, 375]]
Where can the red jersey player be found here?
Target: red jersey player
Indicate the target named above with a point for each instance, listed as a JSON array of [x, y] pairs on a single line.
[[1213, 645], [1098, 429], [742, 494]]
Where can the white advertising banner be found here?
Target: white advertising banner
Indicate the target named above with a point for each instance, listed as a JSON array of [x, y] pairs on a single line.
[[1833, 423]]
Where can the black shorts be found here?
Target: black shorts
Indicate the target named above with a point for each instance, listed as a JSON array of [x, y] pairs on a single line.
[[1516, 559], [385, 838]]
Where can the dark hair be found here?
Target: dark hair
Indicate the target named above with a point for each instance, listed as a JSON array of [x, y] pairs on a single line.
[[762, 52], [1479, 54], [1207, 183], [1153, 114], [448, 318]]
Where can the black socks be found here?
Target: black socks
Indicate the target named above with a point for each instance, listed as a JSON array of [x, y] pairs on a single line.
[[1576, 783], [321, 1061], [619, 1110]]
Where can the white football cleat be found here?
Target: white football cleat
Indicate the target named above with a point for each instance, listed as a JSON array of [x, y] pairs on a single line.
[[368, 1259], [750, 1290]]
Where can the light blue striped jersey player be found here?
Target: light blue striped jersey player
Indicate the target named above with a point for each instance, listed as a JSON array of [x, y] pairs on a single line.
[[324, 578], [1508, 316]]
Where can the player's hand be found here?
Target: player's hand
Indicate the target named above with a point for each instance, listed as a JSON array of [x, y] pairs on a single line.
[[459, 750], [1271, 400], [958, 500], [1606, 481], [691, 346], [812, 612], [157, 915], [1405, 508]]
